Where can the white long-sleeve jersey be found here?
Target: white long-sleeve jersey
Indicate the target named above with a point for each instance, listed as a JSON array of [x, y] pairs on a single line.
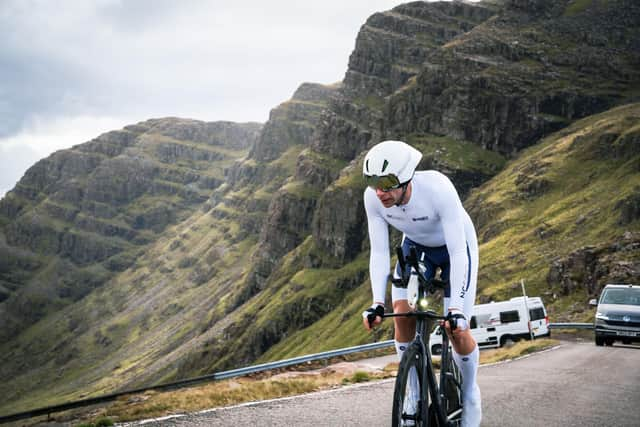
[[433, 217]]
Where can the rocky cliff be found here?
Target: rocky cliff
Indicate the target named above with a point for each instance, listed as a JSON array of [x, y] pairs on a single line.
[[81, 215], [524, 73]]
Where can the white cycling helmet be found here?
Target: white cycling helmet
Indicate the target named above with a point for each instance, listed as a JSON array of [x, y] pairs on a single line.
[[390, 164]]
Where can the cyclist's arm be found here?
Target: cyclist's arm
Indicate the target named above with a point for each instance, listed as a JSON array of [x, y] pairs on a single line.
[[452, 218], [379, 260]]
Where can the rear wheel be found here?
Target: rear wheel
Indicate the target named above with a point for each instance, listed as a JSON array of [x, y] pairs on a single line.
[[410, 396], [507, 341], [599, 341]]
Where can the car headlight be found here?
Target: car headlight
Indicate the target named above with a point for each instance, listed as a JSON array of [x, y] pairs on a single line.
[[601, 316]]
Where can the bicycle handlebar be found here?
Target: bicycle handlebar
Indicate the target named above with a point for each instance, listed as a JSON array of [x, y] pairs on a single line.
[[428, 314]]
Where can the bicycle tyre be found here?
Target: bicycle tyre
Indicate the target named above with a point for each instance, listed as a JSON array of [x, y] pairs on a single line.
[[452, 389], [413, 359]]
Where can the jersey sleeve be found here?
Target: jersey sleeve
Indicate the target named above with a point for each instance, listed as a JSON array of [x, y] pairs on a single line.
[[379, 260], [452, 218]]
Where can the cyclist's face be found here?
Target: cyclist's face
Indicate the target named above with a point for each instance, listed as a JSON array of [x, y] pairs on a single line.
[[389, 198]]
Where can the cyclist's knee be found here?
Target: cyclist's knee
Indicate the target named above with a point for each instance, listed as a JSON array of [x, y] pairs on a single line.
[[405, 327]]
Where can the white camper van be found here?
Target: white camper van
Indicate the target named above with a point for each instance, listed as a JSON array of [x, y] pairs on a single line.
[[501, 323]]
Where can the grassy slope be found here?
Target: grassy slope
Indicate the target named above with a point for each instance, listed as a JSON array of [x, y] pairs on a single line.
[[582, 181], [139, 323]]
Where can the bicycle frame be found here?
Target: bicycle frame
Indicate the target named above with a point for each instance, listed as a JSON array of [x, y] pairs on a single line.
[[425, 320]]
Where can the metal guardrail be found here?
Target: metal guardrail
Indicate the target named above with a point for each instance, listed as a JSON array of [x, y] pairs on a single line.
[[228, 374], [570, 325], [188, 382]]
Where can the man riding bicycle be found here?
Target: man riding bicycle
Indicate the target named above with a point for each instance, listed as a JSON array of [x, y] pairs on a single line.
[[426, 208]]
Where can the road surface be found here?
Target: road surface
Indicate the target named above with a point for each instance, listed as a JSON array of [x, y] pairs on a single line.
[[575, 384]]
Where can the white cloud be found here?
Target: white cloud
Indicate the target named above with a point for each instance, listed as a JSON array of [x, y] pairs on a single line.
[[72, 69]]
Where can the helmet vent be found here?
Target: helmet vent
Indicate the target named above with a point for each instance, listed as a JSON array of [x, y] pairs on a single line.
[[367, 165], [384, 164]]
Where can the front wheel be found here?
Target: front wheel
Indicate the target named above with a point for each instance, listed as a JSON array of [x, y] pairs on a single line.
[[410, 396]]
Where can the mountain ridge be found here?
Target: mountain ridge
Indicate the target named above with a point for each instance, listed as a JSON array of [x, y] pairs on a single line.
[[224, 256]]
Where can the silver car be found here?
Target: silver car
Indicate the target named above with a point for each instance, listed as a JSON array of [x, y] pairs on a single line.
[[617, 315]]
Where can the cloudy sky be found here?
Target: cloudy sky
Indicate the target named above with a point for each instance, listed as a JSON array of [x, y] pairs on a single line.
[[73, 69]]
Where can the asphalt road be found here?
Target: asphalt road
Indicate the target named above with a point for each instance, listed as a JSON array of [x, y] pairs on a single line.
[[575, 384]]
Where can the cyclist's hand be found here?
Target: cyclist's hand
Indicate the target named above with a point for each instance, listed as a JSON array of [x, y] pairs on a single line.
[[456, 321], [372, 316], [457, 328]]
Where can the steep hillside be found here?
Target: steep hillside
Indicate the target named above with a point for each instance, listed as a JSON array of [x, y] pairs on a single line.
[[159, 252], [565, 216]]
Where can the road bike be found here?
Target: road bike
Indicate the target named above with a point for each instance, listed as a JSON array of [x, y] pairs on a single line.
[[418, 398]]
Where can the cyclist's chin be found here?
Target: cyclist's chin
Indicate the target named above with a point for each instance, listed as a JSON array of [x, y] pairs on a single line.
[[387, 203]]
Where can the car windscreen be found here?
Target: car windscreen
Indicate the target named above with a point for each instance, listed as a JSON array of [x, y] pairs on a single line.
[[621, 296]]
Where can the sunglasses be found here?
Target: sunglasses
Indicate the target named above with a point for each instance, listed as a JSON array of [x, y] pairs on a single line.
[[384, 183]]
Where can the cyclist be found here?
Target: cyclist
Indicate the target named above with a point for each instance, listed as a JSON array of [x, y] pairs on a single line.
[[426, 208]]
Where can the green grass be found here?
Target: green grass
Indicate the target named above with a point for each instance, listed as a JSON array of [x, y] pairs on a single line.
[[301, 190], [458, 154]]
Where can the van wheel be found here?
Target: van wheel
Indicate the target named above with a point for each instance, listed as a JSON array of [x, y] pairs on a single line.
[[436, 349], [507, 341], [599, 341], [608, 342]]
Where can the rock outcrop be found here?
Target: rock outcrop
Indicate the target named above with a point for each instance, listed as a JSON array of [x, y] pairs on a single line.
[[589, 269]]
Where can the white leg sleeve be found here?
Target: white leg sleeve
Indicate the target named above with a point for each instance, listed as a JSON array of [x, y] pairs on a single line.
[[472, 408]]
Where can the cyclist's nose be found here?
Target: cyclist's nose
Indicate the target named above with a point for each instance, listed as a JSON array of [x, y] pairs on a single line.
[[379, 192]]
